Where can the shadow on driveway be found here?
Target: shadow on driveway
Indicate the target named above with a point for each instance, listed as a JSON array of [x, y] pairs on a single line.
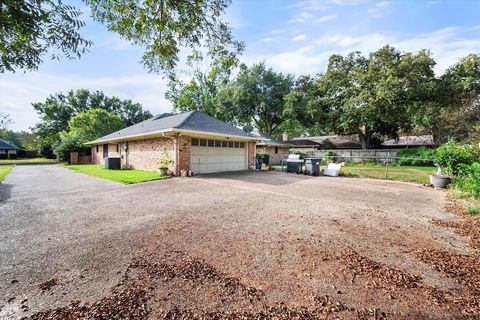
[[274, 178], [5, 191]]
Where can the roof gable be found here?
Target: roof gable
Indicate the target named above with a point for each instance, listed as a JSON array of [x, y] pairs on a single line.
[[191, 121], [6, 144]]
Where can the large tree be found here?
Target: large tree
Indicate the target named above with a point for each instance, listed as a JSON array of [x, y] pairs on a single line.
[[208, 88], [29, 29], [58, 109], [257, 96], [5, 122], [308, 105], [453, 107], [87, 126], [376, 96]]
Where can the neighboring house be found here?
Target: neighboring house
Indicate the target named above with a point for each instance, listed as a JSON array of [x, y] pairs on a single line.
[[305, 144], [191, 140], [277, 149], [410, 141], [8, 150]]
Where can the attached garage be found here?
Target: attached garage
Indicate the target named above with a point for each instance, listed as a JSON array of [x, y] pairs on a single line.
[[208, 155], [191, 141]]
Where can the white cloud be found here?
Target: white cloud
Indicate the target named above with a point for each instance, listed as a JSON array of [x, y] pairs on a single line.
[[382, 4], [267, 39], [300, 37], [446, 45], [345, 2], [327, 18], [19, 91], [302, 17]]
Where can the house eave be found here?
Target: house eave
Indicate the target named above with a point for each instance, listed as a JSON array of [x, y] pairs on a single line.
[[169, 132]]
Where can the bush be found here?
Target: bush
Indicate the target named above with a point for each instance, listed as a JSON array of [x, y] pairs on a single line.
[[469, 179], [452, 157], [263, 158], [328, 157], [420, 156]]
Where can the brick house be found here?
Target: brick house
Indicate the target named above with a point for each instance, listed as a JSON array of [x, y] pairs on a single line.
[[277, 149], [8, 150], [191, 140]]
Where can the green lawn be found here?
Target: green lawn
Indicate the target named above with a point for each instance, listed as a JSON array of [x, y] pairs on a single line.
[[124, 176], [4, 170], [27, 161], [400, 173]]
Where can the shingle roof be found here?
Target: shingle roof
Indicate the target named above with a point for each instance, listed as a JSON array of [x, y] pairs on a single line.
[[269, 140], [192, 121], [5, 144]]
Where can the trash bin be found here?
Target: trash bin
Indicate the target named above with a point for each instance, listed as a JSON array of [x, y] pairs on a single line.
[[112, 163], [312, 166], [294, 166]]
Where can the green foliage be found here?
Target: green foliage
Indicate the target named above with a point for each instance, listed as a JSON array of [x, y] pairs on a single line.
[[87, 126], [209, 90], [257, 95], [5, 122], [128, 176], [376, 95], [58, 109], [263, 158], [4, 171], [421, 156], [468, 180], [31, 28], [452, 157], [452, 110], [165, 161], [165, 27], [328, 157], [472, 210]]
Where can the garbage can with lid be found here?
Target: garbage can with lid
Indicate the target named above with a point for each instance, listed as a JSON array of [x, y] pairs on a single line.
[[312, 166]]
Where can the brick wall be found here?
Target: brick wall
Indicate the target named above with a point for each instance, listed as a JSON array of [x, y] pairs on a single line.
[[251, 155], [145, 154], [275, 158], [183, 160]]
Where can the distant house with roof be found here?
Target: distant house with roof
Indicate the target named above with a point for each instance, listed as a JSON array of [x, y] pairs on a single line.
[[8, 149], [191, 141], [277, 149], [305, 144], [410, 142]]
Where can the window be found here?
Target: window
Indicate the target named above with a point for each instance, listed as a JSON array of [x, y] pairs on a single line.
[[211, 143], [230, 144], [242, 144], [276, 150], [97, 147], [224, 144], [218, 144], [194, 142], [118, 148], [237, 144], [203, 143]]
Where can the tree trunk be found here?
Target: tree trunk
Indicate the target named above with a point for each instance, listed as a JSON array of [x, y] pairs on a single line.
[[365, 138]]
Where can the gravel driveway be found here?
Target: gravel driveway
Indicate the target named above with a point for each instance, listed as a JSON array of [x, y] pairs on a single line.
[[276, 237]]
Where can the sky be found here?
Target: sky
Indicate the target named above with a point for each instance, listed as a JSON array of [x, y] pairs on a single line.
[[294, 37]]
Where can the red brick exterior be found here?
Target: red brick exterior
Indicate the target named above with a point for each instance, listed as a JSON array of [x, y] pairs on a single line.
[[144, 154], [251, 155], [282, 152]]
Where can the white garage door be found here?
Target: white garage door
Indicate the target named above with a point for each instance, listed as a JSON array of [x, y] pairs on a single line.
[[217, 155]]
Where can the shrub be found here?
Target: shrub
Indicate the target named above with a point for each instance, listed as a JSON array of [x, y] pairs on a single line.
[[263, 158], [420, 156], [473, 210], [452, 157], [469, 179], [328, 157]]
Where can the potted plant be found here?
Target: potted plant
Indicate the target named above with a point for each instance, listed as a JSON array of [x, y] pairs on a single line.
[[164, 163], [449, 159]]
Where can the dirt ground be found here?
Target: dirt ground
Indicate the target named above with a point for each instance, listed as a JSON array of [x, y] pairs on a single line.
[[252, 246]]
